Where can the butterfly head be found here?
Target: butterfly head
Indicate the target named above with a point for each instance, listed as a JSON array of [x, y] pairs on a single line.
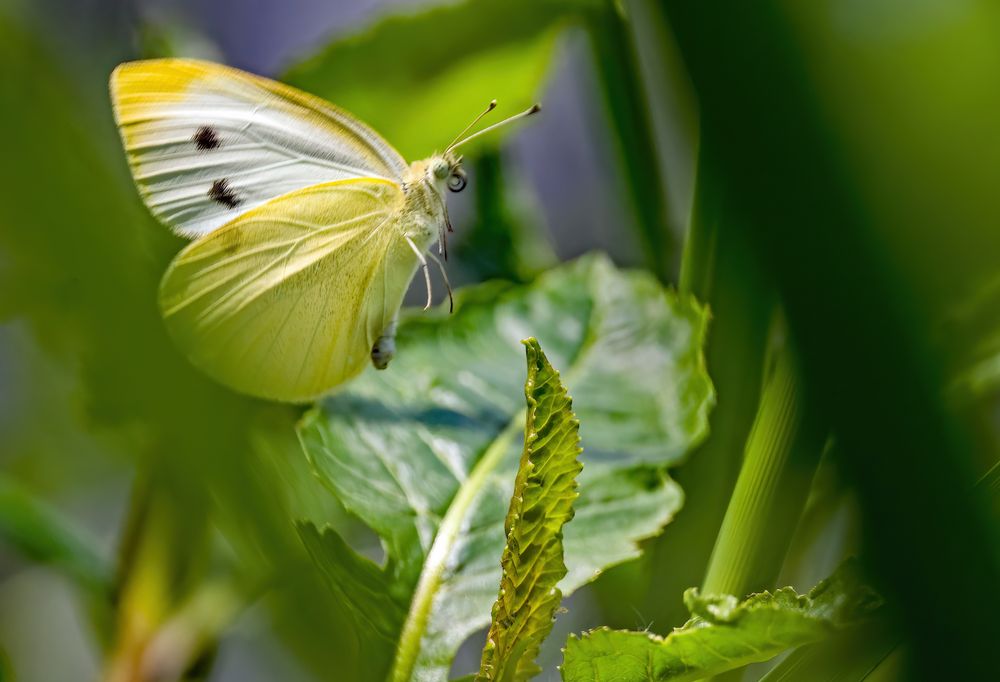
[[447, 169]]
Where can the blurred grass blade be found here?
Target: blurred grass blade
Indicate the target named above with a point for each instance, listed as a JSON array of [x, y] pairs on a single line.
[[850, 656], [723, 633], [628, 112], [532, 562], [791, 131], [853, 655], [719, 269], [780, 459], [973, 331], [31, 527]]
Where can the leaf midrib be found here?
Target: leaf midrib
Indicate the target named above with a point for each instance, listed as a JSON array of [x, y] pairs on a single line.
[[451, 525], [408, 649], [444, 541]]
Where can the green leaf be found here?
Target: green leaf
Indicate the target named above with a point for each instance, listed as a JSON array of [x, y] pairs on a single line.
[[723, 633], [532, 562], [357, 583], [419, 78], [426, 452]]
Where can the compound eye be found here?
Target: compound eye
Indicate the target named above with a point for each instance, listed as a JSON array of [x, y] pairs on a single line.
[[441, 171], [456, 181]]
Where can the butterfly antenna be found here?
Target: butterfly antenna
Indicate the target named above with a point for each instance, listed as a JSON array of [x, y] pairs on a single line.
[[492, 105], [527, 112]]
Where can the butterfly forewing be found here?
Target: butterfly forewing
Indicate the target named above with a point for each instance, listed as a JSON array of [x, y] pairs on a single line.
[[286, 301], [207, 142]]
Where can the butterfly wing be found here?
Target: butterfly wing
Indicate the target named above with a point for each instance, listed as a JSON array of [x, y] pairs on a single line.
[[286, 301], [207, 142]]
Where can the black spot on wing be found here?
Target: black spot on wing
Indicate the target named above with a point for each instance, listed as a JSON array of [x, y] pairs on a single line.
[[206, 138], [223, 193]]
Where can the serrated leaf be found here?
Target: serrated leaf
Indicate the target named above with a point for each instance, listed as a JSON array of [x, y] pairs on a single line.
[[426, 452], [724, 633], [419, 78], [542, 503]]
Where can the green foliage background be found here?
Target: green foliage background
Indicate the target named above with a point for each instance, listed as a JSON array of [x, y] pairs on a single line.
[[841, 237]]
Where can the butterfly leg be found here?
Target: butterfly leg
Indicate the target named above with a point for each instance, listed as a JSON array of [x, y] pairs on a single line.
[[447, 284], [385, 347], [427, 271]]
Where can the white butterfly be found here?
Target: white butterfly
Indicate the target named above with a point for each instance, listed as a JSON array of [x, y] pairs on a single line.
[[308, 227]]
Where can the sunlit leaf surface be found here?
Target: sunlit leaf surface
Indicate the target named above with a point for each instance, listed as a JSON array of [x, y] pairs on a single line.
[[426, 452]]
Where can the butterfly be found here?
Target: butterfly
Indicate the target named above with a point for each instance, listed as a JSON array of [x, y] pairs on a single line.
[[306, 226]]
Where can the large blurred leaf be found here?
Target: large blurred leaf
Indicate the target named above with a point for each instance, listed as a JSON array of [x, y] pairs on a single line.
[[80, 259], [426, 452], [419, 78], [723, 633], [532, 561]]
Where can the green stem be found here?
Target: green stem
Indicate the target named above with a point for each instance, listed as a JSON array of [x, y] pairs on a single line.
[[162, 559], [628, 109], [781, 457], [717, 267], [192, 633], [444, 542]]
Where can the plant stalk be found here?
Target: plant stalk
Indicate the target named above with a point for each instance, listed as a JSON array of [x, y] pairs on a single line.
[[716, 267], [781, 457], [162, 558], [628, 111]]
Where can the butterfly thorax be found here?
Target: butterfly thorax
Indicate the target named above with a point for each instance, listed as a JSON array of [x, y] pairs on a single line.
[[426, 208]]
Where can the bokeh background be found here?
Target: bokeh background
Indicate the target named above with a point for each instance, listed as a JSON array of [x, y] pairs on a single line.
[[851, 148]]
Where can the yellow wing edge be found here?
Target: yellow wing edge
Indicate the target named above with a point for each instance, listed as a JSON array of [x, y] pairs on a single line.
[[173, 76]]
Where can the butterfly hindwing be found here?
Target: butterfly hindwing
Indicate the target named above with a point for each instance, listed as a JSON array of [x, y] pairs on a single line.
[[208, 142], [287, 299]]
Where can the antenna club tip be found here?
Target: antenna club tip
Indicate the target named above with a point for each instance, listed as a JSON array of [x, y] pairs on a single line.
[[493, 104], [535, 108]]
